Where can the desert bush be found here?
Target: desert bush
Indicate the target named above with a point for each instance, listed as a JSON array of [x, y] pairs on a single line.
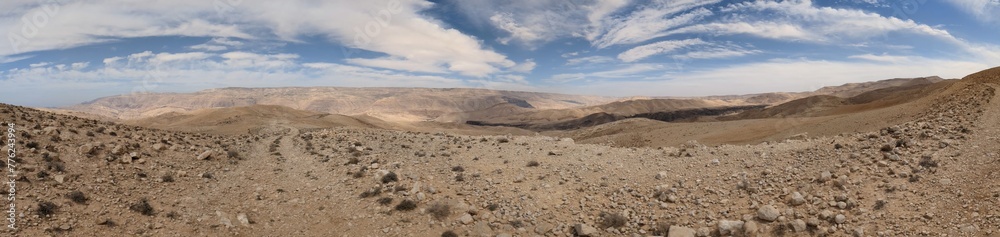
[[459, 177], [533, 164], [77, 197], [662, 228], [406, 205], [385, 201], [439, 211], [612, 220], [457, 169], [46, 208], [492, 207], [390, 177], [353, 161], [167, 178], [449, 234], [142, 207]]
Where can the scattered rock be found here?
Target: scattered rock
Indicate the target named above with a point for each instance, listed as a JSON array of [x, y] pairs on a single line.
[[223, 219], [679, 231], [205, 155], [840, 219], [661, 175], [798, 225], [797, 199], [768, 213], [466, 219], [825, 176], [727, 227], [242, 218], [585, 230]]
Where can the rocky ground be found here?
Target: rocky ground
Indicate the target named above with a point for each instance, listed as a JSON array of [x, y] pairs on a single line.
[[933, 176]]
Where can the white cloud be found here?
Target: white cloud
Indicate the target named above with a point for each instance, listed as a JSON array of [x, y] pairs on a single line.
[[802, 21], [589, 60], [661, 47], [654, 20], [526, 67], [628, 71], [717, 51], [208, 47], [880, 58], [983, 10], [699, 49], [41, 64], [393, 27], [80, 65], [506, 22]]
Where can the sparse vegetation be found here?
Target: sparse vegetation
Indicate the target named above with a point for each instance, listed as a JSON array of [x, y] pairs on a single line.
[[439, 210], [492, 207], [46, 208], [533, 164], [142, 207], [406, 205], [516, 223], [77, 197], [390, 177], [612, 220], [662, 228], [449, 234], [457, 169], [167, 178], [385, 201], [459, 178], [353, 161]]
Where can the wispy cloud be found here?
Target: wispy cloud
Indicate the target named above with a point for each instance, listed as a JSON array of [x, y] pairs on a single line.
[[982, 10], [393, 27], [653, 21]]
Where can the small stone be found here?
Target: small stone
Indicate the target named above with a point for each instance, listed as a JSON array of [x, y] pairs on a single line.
[[826, 214], [159, 147], [704, 232], [750, 228], [205, 155], [727, 227], [679, 231], [798, 199], [242, 217], [585, 230], [661, 175], [840, 219], [466, 219], [945, 181], [798, 225], [223, 220], [969, 229], [858, 232], [715, 162], [825, 176], [60, 178], [768, 213]]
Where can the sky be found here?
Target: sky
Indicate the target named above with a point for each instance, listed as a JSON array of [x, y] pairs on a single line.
[[62, 52]]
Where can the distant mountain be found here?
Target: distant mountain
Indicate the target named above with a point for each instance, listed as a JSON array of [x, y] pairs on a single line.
[[393, 104]]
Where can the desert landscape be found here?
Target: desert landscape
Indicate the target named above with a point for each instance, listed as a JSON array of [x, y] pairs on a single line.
[[905, 157], [514, 118]]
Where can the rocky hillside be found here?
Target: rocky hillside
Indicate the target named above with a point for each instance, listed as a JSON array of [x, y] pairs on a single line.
[[396, 104], [932, 175]]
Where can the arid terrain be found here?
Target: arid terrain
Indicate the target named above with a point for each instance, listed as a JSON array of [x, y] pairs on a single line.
[[903, 157]]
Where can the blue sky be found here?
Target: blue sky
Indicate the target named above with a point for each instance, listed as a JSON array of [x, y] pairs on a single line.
[[61, 52]]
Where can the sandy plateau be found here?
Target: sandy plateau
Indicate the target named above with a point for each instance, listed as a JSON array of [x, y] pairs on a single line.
[[901, 158]]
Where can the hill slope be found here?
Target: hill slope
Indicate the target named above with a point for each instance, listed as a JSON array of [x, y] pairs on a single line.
[[396, 104]]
